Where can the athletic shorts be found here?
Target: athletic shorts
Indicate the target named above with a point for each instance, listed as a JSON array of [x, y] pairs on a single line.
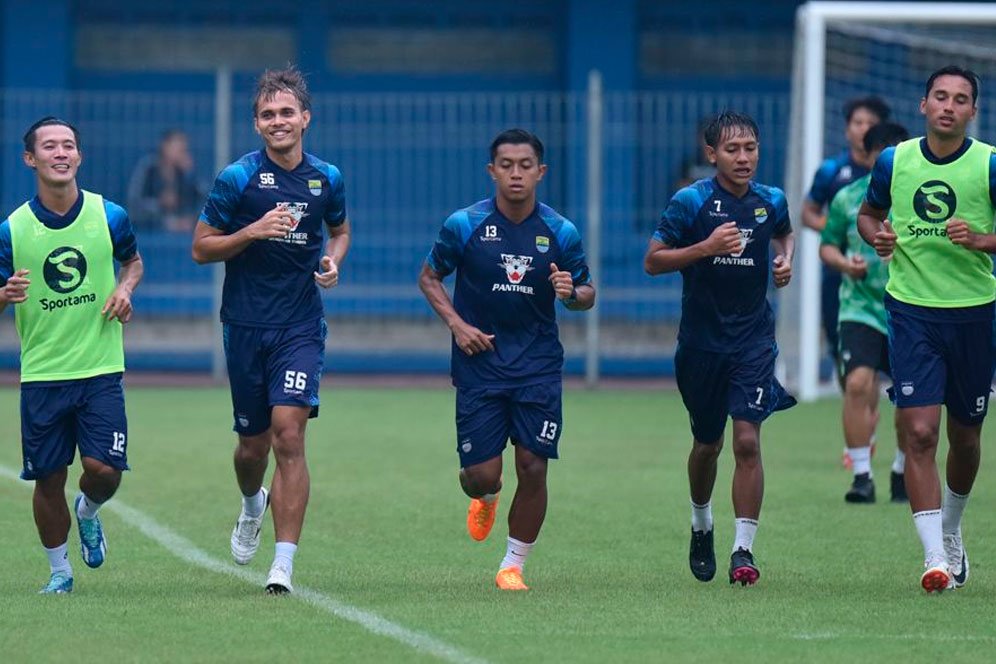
[[862, 346], [273, 367], [740, 385], [486, 418], [59, 416], [938, 362]]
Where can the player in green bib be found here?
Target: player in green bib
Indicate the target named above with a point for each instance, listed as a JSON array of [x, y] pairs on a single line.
[[941, 190], [57, 254], [864, 343]]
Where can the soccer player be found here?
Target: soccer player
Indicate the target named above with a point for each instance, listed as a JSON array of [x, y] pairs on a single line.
[[514, 258], [864, 344], [57, 254], [834, 174], [941, 190], [264, 218], [718, 233]]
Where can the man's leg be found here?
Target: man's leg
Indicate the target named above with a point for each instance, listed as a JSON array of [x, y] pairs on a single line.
[[702, 464], [252, 454], [860, 416], [290, 490], [964, 451], [53, 522], [748, 493]]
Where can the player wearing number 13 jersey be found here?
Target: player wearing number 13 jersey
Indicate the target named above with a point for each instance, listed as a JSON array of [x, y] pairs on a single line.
[[514, 258], [267, 218]]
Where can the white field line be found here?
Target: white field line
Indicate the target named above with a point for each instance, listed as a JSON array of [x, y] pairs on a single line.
[[184, 549]]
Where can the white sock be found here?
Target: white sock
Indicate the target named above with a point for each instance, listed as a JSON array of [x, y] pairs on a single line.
[[952, 508], [284, 555], [254, 506], [516, 553], [928, 527], [746, 529], [87, 508], [861, 458], [58, 559], [702, 517], [489, 498], [899, 463]]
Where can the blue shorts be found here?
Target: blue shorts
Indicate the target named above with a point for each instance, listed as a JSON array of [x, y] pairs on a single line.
[[938, 362], [273, 367], [740, 385], [58, 416], [486, 418]]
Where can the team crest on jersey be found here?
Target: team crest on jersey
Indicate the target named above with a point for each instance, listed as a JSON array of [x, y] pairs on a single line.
[[298, 212], [516, 266], [760, 215], [315, 187], [542, 244]]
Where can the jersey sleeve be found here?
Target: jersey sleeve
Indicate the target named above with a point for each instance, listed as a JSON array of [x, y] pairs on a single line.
[[223, 201], [335, 211], [572, 254], [6, 253], [675, 220], [879, 194], [819, 191], [835, 232], [447, 252], [122, 233], [783, 223]]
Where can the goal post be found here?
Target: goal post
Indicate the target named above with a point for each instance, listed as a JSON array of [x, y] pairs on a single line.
[[845, 49]]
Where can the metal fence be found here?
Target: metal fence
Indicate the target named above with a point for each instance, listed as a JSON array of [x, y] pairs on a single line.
[[408, 161]]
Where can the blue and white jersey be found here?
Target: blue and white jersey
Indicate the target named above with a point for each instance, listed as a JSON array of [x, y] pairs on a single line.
[[724, 305], [271, 283], [122, 234], [833, 175], [503, 288]]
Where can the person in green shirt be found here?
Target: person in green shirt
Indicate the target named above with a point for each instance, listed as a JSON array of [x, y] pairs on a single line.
[[57, 254], [863, 333], [941, 190]]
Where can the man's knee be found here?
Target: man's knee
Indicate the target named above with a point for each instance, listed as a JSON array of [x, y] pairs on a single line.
[[921, 436], [860, 384], [481, 479], [530, 467]]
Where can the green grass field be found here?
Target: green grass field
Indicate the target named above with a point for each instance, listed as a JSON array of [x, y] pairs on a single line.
[[385, 537]]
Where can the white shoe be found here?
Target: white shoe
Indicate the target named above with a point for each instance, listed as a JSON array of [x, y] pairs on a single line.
[[245, 535], [278, 581], [954, 550], [936, 577]]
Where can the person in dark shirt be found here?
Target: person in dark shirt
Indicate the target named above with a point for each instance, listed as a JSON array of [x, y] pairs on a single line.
[[718, 233], [514, 258], [164, 192]]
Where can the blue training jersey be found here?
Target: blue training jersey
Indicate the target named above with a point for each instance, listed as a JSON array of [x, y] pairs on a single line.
[[833, 175], [724, 305], [122, 234], [271, 283], [503, 288]]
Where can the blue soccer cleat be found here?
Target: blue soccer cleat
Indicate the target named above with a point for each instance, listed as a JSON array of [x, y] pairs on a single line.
[[60, 583], [93, 544]]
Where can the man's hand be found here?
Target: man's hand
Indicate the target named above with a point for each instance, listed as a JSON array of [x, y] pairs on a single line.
[[471, 340], [885, 240], [118, 305], [276, 223], [782, 271], [563, 284], [856, 267], [328, 276], [16, 288], [959, 233], [725, 239]]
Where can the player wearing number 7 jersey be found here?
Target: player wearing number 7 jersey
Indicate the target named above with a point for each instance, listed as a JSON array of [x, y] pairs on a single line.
[[57, 254], [266, 218]]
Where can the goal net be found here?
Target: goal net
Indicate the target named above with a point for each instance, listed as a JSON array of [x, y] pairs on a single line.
[[854, 49]]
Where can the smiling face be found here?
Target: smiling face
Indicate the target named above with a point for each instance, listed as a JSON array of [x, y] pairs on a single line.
[[281, 122], [56, 156], [948, 106]]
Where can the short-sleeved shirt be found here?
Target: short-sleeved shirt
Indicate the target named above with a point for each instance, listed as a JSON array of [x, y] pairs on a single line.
[[833, 175], [724, 306], [271, 283], [122, 234], [503, 288], [861, 300]]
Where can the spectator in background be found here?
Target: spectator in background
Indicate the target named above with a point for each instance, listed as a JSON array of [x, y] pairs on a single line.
[[164, 193], [697, 167]]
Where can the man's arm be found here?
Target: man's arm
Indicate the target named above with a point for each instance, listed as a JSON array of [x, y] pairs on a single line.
[[782, 262], [662, 258], [812, 215], [15, 290], [336, 248], [468, 338], [212, 245], [959, 233], [875, 230], [118, 305], [575, 298]]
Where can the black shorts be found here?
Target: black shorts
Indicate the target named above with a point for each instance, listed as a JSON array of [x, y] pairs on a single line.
[[862, 346]]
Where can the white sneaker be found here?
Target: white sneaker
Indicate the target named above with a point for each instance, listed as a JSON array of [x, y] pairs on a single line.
[[954, 550], [245, 535], [278, 581], [936, 577]]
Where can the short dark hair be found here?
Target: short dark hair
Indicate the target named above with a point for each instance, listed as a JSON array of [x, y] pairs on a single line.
[[872, 103], [289, 79], [729, 120], [48, 120], [517, 137], [955, 70], [883, 135]]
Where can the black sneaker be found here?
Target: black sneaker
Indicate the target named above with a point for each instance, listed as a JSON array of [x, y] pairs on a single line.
[[862, 490], [897, 486], [743, 569], [702, 555]]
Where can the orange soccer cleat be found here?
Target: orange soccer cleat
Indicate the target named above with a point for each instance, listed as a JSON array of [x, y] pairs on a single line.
[[481, 517], [510, 578]]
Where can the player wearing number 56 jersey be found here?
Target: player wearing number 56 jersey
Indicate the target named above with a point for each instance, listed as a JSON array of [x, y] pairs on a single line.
[[514, 258], [267, 218], [57, 254], [718, 233]]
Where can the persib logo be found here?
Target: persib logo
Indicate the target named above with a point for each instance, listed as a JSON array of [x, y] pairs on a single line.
[[934, 201], [65, 269]]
